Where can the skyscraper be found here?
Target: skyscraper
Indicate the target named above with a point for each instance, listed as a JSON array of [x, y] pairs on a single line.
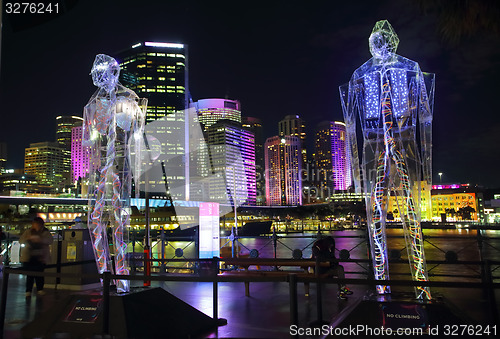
[[255, 126], [232, 152], [283, 163], [45, 160], [158, 71], [333, 170], [206, 113], [64, 124], [294, 125], [80, 155], [212, 110], [3, 156]]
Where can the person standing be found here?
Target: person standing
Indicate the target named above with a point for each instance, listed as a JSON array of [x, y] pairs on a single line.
[[35, 253]]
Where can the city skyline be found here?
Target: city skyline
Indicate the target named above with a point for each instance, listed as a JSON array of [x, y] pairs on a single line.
[[276, 60]]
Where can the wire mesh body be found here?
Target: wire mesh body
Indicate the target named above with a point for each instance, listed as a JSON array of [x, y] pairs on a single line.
[[113, 129], [392, 98]]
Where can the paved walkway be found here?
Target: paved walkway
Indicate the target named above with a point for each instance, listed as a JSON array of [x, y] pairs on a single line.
[[265, 314]]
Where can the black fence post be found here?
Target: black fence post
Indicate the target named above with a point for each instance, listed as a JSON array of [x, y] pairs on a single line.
[[319, 297], [294, 312], [105, 302], [163, 266], [59, 256], [490, 292], [3, 306], [215, 295]]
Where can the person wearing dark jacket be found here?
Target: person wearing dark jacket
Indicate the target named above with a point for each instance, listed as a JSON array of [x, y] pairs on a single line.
[[35, 253], [324, 250]]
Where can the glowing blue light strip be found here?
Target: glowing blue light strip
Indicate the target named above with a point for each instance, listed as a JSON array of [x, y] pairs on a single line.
[[372, 95], [399, 92]]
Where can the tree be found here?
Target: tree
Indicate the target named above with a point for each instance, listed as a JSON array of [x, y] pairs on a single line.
[[465, 212]]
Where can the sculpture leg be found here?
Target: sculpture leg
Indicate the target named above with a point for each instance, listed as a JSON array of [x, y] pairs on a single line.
[[412, 229], [119, 227], [376, 226], [96, 226]]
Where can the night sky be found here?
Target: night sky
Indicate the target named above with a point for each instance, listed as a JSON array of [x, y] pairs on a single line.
[[276, 57]]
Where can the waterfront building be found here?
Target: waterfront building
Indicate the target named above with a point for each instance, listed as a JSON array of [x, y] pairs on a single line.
[[455, 202], [158, 71], [426, 204], [45, 160], [331, 157], [283, 163], [18, 184]]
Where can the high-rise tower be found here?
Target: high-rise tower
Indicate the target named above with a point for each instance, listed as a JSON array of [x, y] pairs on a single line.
[[80, 155], [158, 71], [232, 152], [45, 160], [255, 126], [332, 165], [212, 110], [283, 163], [294, 125], [64, 124]]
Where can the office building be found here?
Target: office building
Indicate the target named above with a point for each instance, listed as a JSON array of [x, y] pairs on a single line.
[[255, 126], [80, 155], [3, 156], [12, 184], [294, 125], [212, 110], [232, 152], [331, 157], [158, 71], [45, 161], [205, 113], [64, 124], [283, 163]]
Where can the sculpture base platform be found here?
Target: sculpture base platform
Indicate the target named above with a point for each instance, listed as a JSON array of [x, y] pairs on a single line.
[[144, 313], [377, 313]]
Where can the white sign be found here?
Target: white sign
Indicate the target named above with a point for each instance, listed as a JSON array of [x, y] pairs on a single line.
[[209, 230]]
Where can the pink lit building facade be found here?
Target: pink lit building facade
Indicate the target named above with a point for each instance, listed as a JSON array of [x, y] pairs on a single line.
[[283, 163], [80, 157]]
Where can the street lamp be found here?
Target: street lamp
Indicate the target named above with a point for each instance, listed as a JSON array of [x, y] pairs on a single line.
[[440, 175]]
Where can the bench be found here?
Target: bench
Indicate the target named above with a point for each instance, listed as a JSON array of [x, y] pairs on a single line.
[[245, 263]]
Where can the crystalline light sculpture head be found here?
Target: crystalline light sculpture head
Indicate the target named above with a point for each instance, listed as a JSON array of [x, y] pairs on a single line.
[[105, 72], [383, 41]]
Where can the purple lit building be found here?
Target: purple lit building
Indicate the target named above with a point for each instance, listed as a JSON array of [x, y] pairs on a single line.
[[80, 156], [331, 157], [232, 152], [283, 163]]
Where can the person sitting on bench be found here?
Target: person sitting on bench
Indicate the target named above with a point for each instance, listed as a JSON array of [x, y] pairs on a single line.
[[324, 250]]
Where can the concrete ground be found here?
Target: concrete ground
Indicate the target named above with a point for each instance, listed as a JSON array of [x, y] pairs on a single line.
[[265, 314]]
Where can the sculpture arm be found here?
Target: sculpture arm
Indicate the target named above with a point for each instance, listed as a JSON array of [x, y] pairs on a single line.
[[138, 140], [425, 112], [347, 98], [87, 128]]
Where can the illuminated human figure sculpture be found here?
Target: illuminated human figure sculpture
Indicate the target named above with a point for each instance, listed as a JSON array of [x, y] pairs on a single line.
[[113, 125], [392, 97]]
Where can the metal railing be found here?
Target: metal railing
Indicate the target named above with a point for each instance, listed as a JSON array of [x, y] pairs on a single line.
[[213, 276]]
